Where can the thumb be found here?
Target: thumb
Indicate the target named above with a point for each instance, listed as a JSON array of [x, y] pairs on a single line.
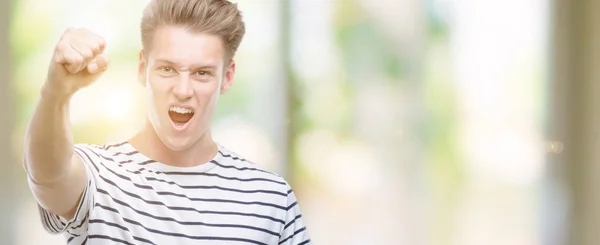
[[100, 63]]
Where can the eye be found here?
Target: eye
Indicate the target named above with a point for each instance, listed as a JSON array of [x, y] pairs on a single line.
[[166, 69], [201, 73]]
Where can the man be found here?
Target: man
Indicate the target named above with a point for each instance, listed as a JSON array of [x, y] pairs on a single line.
[[170, 183]]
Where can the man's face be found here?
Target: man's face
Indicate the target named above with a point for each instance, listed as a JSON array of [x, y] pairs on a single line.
[[183, 74]]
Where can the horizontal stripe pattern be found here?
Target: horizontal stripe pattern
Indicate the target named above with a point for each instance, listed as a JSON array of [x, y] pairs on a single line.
[[131, 199]]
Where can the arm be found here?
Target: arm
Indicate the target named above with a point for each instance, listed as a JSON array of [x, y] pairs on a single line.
[[57, 177]]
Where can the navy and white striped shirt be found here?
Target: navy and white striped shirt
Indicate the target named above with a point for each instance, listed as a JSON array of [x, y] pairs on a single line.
[[131, 199]]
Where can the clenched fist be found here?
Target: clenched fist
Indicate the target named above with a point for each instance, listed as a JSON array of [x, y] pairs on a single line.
[[77, 62]]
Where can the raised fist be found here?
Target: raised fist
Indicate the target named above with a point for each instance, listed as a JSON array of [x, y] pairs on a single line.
[[78, 61]]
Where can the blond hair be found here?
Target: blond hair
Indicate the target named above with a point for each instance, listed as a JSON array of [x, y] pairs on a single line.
[[216, 17]]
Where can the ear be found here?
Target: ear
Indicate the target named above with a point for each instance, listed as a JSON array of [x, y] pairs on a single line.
[[228, 77], [142, 69]]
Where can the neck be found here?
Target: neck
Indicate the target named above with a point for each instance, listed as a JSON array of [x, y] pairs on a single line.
[[149, 144]]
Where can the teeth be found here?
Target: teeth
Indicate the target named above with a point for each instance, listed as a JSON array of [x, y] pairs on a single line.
[[181, 110]]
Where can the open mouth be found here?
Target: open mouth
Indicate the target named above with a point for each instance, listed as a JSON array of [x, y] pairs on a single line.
[[180, 115]]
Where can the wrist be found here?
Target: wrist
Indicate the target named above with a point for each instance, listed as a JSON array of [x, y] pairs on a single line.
[[54, 94]]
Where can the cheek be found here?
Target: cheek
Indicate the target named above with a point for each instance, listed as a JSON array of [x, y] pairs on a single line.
[[157, 85], [157, 93], [206, 91]]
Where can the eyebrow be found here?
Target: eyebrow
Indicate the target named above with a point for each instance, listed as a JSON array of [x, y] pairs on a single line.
[[193, 67]]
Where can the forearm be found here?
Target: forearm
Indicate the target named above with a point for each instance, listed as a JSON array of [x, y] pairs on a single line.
[[49, 144]]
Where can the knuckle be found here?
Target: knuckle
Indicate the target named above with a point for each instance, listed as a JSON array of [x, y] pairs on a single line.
[[61, 46], [90, 51], [72, 32], [94, 46], [78, 59], [100, 39], [101, 43], [69, 31], [86, 53], [97, 42]]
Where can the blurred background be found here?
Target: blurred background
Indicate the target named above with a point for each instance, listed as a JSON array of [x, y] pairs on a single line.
[[418, 122]]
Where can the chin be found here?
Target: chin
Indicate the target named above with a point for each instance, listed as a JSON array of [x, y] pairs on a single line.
[[180, 141], [174, 141]]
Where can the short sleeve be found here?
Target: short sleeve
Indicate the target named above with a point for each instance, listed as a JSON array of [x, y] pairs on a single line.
[[78, 224], [294, 232]]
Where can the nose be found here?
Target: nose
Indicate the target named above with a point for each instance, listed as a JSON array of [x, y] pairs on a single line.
[[183, 89]]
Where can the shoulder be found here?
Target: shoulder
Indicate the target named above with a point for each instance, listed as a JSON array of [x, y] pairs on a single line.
[[105, 151], [235, 164], [89, 152], [101, 156]]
